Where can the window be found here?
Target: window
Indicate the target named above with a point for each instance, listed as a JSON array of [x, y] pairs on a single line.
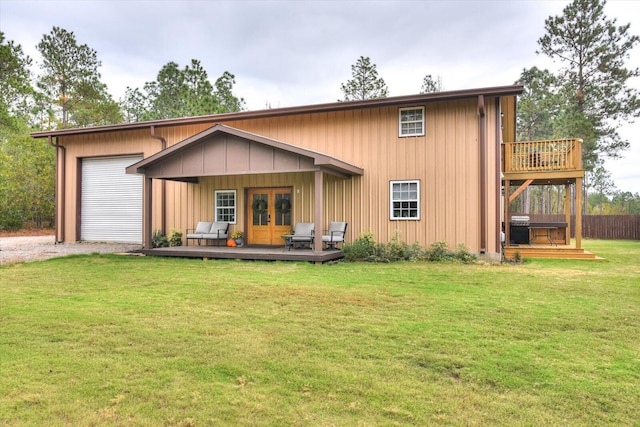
[[411, 121], [226, 206], [405, 200]]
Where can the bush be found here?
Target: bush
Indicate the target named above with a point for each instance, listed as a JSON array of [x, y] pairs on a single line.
[[439, 251], [394, 250], [463, 255], [397, 250], [159, 240], [175, 238], [362, 249], [517, 258], [365, 248]]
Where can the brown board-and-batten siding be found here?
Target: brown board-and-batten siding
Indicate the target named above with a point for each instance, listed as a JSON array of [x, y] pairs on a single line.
[[224, 151], [445, 161]]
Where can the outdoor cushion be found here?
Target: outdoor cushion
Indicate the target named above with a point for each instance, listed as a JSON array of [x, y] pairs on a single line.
[[218, 230], [202, 228], [209, 231], [303, 232], [335, 234]]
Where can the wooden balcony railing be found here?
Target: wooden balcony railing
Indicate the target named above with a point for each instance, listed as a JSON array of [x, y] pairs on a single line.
[[542, 156]]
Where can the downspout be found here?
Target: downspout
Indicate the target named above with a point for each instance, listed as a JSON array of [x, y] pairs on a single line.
[[483, 175], [163, 186], [59, 193], [498, 175]]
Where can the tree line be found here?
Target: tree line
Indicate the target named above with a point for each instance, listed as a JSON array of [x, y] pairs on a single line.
[[66, 91], [588, 97]]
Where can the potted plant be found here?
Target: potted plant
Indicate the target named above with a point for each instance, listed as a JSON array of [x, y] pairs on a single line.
[[238, 236]]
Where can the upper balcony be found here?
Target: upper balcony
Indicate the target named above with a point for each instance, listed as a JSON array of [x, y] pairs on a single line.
[[554, 161]]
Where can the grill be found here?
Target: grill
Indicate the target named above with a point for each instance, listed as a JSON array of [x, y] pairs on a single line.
[[520, 220], [519, 229]]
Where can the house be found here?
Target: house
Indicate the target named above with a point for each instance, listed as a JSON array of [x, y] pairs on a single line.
[[429, 167]]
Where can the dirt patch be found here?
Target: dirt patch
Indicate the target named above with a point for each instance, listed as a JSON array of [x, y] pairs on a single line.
[[37, 248]]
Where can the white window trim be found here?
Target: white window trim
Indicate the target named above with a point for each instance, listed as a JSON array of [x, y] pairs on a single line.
[[235, 206], [424, 124], [406, 181]]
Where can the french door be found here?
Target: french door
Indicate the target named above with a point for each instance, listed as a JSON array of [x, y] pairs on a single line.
[[269, 213]]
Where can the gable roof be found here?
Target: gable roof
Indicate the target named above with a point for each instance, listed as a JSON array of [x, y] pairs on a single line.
[[407, 100], [223, 150]]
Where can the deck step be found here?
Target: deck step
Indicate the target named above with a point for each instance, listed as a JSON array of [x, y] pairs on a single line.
[[553, 252]]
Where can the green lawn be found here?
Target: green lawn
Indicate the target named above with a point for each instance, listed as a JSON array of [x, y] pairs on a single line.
[[113, 340]]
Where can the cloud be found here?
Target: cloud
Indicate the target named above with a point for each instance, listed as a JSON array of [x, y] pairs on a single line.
[[288, 53]]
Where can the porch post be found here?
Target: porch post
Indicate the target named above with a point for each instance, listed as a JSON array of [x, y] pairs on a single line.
[[507, 221], [147, 215], [567, 212], [578, 213], [317, 240]]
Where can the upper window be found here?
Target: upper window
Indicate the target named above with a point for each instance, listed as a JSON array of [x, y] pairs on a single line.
[[405, 200], [411, 121], [226, 206]]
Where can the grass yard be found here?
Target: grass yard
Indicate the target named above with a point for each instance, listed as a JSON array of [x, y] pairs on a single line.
[[113, 340]]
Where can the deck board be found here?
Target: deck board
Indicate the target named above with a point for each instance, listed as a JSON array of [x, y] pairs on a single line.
[[535, 250], [278, 253]]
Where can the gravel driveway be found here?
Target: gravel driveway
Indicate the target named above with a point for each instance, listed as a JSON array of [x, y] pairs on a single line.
[[36, 248]]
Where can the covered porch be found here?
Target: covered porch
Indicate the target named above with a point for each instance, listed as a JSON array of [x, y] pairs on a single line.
[[258, 172], [536, 163]]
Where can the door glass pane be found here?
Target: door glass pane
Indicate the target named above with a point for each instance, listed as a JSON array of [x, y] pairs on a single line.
[[260, 208], [283, 209]]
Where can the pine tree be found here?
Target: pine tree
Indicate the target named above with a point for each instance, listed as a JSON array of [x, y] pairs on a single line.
[[70, 82], [537, 106], [429, 84], [593, 79], [365, 83], [181, 93]]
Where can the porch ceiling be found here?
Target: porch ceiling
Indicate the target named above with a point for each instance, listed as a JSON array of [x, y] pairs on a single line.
[[223, 150]]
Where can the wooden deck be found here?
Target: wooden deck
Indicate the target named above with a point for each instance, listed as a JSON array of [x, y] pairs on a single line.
[[535, 250], [560, 156], [271, 253]]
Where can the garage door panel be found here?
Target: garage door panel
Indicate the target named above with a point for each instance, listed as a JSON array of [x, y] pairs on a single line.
[[111, 200]]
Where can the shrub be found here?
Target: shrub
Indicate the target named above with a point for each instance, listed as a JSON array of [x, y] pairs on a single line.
[[415, 252], [175, 238], [438, 251], [394, 250], [159, 240], [517, 258], [365, 248], [362, 249], [463, 255], [397, 250]]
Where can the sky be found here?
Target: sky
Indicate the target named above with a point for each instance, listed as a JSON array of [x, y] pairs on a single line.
[[293, 53]]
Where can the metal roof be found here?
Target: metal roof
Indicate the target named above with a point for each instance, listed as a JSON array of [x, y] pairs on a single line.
[[407, 100]]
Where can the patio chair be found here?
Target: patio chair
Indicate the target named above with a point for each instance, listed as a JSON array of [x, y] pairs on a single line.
[[335, 234], [206, 230], [302, 234], [197, 233], [219, 231]]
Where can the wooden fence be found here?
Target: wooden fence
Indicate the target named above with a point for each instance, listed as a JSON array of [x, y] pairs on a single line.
[[618, 227]]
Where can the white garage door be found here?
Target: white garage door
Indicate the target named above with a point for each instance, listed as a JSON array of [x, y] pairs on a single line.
[[111, 201]]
